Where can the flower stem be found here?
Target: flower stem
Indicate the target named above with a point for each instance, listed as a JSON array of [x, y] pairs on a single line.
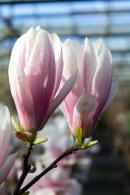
[[50, 167], [26, 168]]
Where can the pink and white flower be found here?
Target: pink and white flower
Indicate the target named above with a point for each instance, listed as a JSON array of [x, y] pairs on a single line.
[[35, 72], [93, 90], [6, 158]]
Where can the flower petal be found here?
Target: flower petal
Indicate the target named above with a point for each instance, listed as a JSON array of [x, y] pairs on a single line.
[[41, 78], [113, 92], [5, 169], [102, 80], [70, 58], [32, 76], [6, 160], [58, 61], [89, 65], [30, 39], [17, 81], [5, 133], [83, 114], [99, 46], [61, 95]]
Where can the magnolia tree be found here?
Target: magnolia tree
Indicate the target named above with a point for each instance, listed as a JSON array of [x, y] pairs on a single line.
[[45, 73]]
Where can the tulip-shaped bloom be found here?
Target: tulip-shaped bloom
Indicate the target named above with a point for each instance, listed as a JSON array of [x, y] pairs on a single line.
[[93, 90], [6, 159], [35, 72]]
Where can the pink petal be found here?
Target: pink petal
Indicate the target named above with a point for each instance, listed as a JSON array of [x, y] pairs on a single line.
[[4, 151], [5, 169], [69, 58], [17, 58], [89, 65], [30, 39], [61, 95], [5, 133], [72, 57], [58, 61], [71, 99], [41, 56], [32, 76], [102, 80], [6, 160], [24, 102], [17, 81], [65, 111], [41, 81], [113, 92], [83, 114]]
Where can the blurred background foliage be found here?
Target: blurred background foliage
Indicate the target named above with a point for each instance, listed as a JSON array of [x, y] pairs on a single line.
[[109, 20]]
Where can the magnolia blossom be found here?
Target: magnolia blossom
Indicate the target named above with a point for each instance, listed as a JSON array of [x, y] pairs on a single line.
[[93, 90], [35, 72], [6, 159]]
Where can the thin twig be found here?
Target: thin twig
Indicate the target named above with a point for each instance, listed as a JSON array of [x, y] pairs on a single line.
[[50, 167], [26, 168]]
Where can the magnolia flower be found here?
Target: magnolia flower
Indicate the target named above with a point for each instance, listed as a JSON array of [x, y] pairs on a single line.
[[6, 159], [35, 72], [93, 90]]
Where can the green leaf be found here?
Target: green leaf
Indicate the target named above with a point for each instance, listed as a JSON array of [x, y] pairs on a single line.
[[89, 144], [79, 137], [17, 125], [79, 133], [40, 140]]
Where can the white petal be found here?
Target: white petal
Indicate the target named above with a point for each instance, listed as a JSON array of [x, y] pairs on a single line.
[[58, 60], [70, 58], [5, 133], [61, 95], [5, 169], [89, 65], [103, 77], [41, 55], [113, 92], [86, 104], [99, 46]]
